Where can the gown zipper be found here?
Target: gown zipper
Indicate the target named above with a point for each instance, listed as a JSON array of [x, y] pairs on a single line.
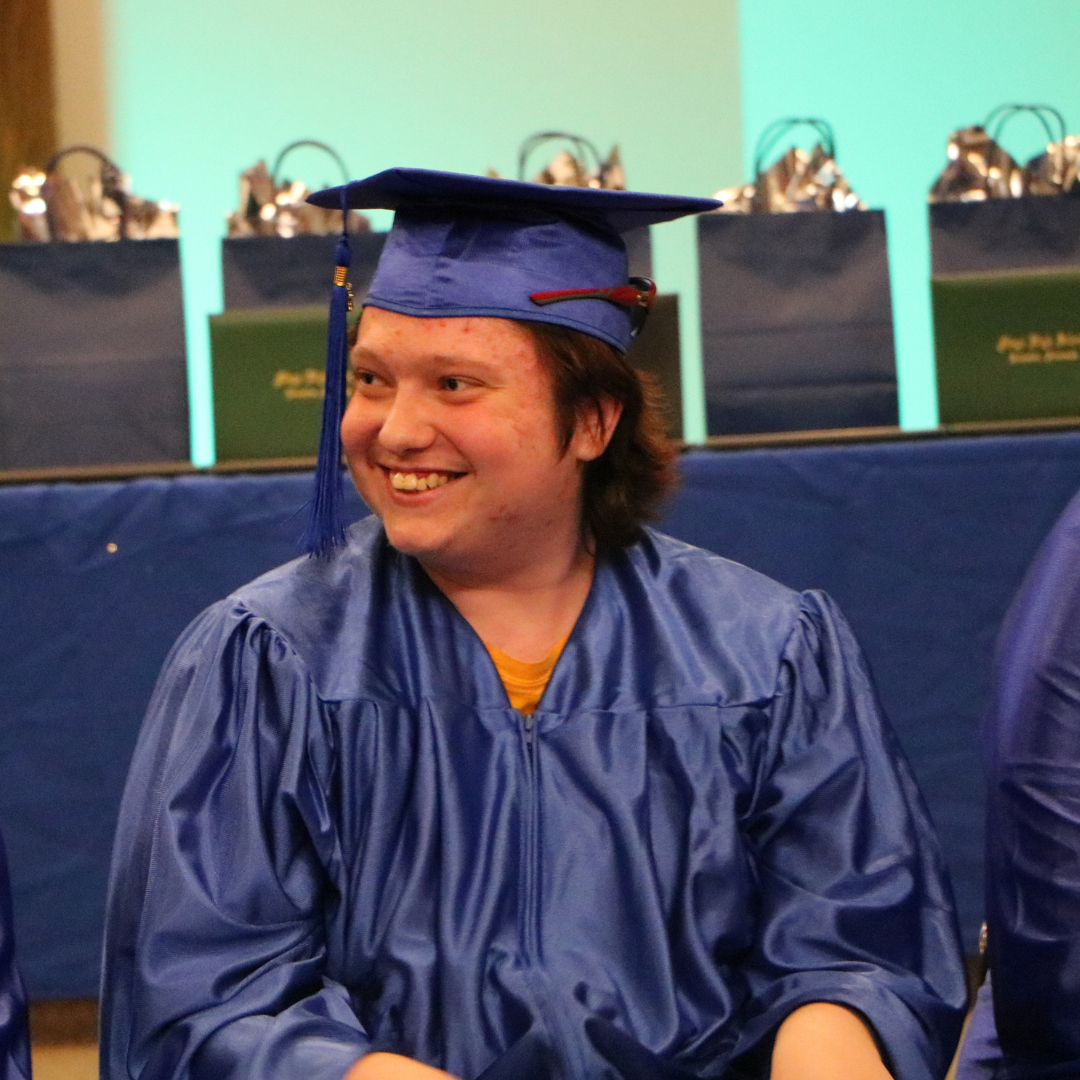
[[530, 933], [554, 1018]]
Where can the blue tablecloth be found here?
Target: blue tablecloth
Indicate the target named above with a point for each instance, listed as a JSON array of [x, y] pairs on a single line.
[[923, 544]]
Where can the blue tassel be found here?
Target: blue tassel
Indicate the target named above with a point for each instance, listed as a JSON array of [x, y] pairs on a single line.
[[326, 528]]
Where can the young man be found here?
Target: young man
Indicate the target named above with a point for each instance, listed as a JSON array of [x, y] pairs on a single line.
[[508, 785]]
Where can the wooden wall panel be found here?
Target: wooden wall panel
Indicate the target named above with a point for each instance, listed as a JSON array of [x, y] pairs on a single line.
[[80, 77], [27, 105]]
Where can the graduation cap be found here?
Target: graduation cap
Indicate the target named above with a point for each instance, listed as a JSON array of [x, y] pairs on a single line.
[[475, 245]]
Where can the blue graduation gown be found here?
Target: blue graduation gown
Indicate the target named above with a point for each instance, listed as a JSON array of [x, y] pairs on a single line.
[[980, 1055], [1032, 740], [14, 1038], [337, 836]]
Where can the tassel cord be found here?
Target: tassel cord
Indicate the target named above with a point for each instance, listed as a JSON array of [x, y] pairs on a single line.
[[326, 528]]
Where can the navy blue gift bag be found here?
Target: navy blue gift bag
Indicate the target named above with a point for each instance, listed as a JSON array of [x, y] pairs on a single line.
[[796, 310], [979, 224], [273, 261], [272, 271], [92, 358], [1032, 232], [587, 168]]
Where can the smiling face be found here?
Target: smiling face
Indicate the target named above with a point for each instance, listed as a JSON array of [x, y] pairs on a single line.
[[451, 440]]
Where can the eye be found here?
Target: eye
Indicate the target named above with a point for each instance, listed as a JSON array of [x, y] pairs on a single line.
[[366, 378], [452, 382]]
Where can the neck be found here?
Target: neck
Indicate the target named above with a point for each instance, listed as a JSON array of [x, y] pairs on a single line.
[[524, 613]]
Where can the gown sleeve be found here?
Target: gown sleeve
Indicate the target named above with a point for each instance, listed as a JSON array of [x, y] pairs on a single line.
[[14, 1037], [1032, 745], [855, 906], [215, 946]]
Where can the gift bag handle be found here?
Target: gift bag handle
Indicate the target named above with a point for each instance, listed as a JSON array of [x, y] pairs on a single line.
[[1000, 116], [582, 148], [779, 128], [276, 170], [112, 179]]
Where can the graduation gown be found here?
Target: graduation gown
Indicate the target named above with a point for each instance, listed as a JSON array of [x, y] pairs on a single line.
[[14, 1037], [1032, 741], [337, 836]]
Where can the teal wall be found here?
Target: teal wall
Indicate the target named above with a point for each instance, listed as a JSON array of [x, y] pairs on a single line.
[[202, 89], [895, 79]]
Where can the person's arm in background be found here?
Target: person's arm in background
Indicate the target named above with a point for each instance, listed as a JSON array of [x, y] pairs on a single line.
[[1032, 741]]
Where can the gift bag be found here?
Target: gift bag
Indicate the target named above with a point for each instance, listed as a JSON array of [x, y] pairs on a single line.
[[92, 358], [269, 345], [268, 271], [796, 310], [269, 380], [582, 166], [1005, 264], [279, 246]]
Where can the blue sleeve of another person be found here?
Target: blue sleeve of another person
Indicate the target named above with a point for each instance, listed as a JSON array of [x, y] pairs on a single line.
[[1033, 829]]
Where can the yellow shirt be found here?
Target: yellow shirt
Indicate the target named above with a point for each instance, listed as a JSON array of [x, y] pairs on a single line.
[[525, 681]]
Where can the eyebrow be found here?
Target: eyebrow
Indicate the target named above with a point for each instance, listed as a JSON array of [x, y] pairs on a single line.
[[360, 354]]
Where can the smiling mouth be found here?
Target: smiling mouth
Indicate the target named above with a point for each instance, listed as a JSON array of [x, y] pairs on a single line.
[[419, 481]]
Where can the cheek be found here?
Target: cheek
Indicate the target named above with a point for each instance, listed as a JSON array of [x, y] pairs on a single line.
[[536, 435], [359, 426], [530, 461]]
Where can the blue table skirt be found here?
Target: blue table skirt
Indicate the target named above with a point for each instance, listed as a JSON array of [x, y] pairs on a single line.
[[922, 543]]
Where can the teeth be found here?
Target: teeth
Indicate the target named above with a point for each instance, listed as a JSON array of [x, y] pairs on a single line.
[[414, 482]]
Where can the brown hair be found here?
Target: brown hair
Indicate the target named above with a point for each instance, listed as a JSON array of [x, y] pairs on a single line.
[[627, 485]]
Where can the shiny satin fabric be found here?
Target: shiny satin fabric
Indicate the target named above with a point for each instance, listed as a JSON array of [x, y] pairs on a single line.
[[1032, 739], [337, 837], [446, 263], [14, 1037], [980, 1052]]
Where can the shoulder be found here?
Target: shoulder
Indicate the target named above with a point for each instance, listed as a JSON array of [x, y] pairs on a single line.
[[315, 612], [683, 567], [289, 596], [715, 630], [708, 590]]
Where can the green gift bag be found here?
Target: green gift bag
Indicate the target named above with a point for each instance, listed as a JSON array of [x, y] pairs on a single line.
[[269, 375], [1005, 248], [1008, 344]]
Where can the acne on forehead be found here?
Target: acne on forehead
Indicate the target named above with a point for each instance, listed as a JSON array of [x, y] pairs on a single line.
[[382, 333]]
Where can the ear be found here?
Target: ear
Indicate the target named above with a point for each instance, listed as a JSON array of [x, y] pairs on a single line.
[[594, 429]]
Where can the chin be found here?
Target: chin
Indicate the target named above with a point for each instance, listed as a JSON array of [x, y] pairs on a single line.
[[412, 541]]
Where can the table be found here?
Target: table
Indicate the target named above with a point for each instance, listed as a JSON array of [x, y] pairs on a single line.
[[922, 542]]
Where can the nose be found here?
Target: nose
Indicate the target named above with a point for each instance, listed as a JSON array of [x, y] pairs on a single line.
[[406, 427]]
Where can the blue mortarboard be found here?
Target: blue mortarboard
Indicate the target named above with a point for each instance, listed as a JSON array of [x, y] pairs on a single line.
[[473, 245]]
